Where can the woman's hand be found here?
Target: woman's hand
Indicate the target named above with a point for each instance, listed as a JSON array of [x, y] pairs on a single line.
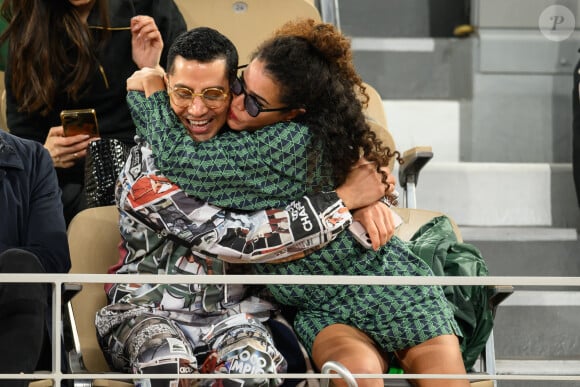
[[146, 41], [148, 80], [364, 186], [379, 222], [65, 151]]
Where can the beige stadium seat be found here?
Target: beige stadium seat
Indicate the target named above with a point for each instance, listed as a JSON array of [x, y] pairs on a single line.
[[414, 159], [375, 109], [93, 237], [3, 121], [385, 136], [247, 23], [41, 383]]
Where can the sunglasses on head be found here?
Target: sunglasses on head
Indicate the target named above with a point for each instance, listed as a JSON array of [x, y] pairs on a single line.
[[251, 104]]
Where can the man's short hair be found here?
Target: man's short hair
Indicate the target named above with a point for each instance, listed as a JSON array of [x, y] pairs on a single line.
[[204, 44]]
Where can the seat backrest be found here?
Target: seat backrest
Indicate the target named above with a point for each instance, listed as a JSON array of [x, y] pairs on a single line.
[[376, 117], [246, 23], [93, 237], [375, 110], [414, 218], [385, 136], [3, 121]]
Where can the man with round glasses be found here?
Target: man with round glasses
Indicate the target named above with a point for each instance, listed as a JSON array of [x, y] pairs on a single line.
[[203, 113]]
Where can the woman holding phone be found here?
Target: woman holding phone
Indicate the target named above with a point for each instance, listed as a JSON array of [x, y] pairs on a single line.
[[77, 54]]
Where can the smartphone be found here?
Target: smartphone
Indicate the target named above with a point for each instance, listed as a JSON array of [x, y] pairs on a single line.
[[82, 121], [360, 233]]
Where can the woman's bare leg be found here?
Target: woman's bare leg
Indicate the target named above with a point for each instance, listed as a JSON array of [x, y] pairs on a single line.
[[440, 355], [353, 349]]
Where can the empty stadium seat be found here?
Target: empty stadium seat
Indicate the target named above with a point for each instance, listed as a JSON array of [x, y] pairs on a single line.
[[246, 23]]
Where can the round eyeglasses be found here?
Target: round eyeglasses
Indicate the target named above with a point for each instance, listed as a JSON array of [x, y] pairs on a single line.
[[251, 104], [212, 97]]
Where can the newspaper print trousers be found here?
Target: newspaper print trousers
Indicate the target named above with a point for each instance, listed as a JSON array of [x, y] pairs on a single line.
[[139, 340]]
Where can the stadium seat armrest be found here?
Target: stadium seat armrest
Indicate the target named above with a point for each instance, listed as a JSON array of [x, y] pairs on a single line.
[[69, 291], [498, 293], [414, 160]]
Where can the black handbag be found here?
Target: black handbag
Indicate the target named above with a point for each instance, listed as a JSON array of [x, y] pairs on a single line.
[[104, 161]]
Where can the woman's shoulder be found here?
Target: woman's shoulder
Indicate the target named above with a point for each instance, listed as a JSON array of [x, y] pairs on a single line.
[[154, 8], [279, 133], [144, 5], [283, 128]]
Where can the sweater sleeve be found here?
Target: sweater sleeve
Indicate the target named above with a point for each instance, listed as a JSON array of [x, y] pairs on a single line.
[[243, 170], [274, 234]]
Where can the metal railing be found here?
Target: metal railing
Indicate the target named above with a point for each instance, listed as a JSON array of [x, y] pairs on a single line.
[[57, 280]]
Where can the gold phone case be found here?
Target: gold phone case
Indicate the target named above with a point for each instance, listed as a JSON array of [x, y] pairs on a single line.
[[81, 121]]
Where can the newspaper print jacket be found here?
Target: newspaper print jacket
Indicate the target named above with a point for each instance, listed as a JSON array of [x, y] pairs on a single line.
[[164, 231]]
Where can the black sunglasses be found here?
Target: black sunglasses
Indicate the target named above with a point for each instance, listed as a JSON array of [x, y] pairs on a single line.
[[251, 104]]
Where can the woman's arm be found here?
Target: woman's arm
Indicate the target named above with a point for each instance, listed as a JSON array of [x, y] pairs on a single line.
[[146, 41], [240, 170], [153, 120], [170, 22], [148, 80], [268, 235]]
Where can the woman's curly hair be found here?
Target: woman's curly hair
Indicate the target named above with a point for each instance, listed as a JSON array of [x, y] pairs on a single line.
[[312, 63]]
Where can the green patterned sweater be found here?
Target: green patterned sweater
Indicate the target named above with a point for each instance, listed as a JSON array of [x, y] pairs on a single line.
[[260, 169], [241, 170]]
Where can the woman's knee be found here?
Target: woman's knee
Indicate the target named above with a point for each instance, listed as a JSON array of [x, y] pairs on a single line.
[[353, 349], [440, 354]]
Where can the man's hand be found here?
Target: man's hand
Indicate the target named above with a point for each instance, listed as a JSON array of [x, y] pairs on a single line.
[[364, 186], [146, 41], [379, 222], [390, 179]]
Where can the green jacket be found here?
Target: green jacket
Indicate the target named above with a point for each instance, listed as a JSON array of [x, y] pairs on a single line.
[[436, 243]]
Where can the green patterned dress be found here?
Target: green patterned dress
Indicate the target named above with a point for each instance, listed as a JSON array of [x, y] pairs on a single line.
[[268, 168]]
